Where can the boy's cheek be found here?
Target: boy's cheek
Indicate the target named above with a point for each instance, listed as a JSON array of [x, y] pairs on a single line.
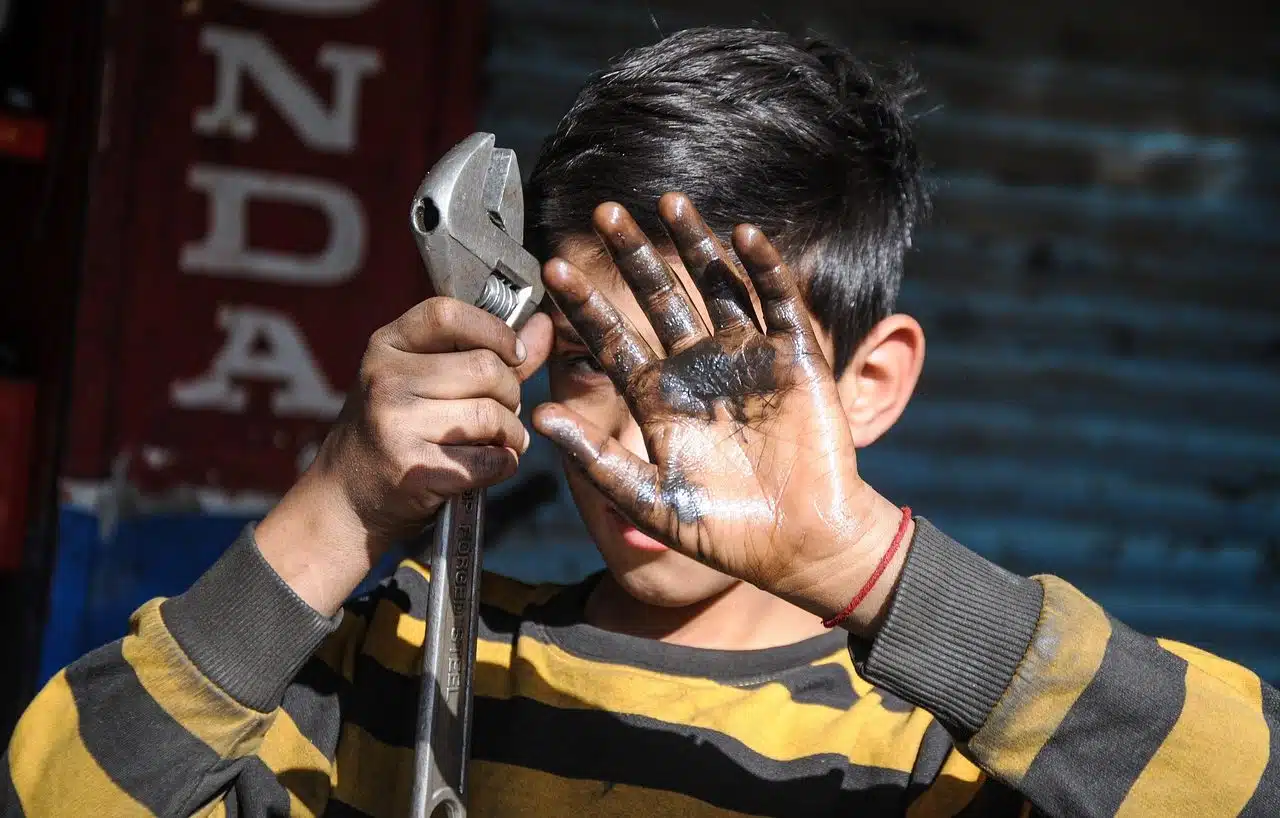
[[596, 399], [593, 397]]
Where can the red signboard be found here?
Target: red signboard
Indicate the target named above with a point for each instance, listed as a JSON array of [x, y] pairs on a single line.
[[248, 227]]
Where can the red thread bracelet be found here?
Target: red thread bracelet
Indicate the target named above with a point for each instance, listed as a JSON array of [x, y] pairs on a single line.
[[875, 575]]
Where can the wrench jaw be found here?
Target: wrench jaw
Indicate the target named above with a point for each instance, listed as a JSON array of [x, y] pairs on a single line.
[[467, 219]]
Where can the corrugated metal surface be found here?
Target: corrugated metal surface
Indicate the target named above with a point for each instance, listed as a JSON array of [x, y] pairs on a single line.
[[1101, 393]]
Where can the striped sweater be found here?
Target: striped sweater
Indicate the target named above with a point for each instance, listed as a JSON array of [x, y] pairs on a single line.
[[984, 693]]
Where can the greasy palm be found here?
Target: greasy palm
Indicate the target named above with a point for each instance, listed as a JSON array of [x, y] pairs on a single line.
[[753, 468]]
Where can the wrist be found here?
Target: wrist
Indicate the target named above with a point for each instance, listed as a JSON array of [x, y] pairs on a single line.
[[863, 566], [316, 542]]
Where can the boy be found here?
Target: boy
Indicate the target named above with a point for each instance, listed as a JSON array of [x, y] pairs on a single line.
[[708, 405]]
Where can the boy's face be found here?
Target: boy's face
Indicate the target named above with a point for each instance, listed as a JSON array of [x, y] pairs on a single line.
[[649, 571]]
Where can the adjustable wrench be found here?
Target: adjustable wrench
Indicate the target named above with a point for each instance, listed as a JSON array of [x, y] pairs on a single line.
[[467, 219]]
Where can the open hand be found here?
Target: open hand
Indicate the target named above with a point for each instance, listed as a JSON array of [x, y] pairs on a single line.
[[753, 466]]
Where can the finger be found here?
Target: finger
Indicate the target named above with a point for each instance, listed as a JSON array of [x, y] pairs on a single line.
[[448, 325], [620, 350], [451, 470], [784, 308], [538, 333], [661, 295], [628, 482], [722, 283], [477, 421], [477, 373]]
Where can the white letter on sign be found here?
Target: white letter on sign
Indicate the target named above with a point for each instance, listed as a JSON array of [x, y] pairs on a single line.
[[223, 252], [283, 358], [314, 8], [243, 52]]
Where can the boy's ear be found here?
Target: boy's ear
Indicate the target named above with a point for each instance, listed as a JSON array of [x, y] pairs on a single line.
[[881, 377]]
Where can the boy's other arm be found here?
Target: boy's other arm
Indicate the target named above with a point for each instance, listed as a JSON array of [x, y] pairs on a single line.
[[752, 469], [1046, 692]]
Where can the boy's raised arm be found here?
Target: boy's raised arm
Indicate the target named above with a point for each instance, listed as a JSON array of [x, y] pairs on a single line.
[[1073, 709], [752, 469]]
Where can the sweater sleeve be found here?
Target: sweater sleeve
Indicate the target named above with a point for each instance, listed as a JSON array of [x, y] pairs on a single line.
[[1069, 707], [188, 713]]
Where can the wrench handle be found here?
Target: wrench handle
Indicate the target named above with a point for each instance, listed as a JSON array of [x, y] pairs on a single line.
[[449, 660]]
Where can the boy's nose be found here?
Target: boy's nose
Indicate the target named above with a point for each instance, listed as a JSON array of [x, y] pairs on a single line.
[[627, 431]]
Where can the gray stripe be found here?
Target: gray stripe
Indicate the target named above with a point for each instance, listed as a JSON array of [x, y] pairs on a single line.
[[338, 809], [994, 798], [313, 701], [10, 807], [257, 792], [1110, 734], [1265, 801], [409, 591], [701, 763], [382, 702], [245, 628], [827, 685], [497, 625], [931, 755], [135, 742], [559, 621]]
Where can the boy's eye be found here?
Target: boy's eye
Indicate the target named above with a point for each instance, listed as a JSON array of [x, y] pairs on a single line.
[[580, 363], [584, 363]]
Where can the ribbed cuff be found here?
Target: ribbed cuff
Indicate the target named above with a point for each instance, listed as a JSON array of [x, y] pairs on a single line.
[[244, 628], [957, 628]]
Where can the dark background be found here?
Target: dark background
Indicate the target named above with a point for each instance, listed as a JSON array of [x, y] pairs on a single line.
[[1102, 386]]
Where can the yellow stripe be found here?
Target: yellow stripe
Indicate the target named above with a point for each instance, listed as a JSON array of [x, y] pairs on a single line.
[[1065, 653], [299, 766], [1217, 726], [957, 783], [201, 707], [1242, 679], [52, 769], [417, 568], [505, 593], [339, 649], [372, 776], [842, 659], [510, 595], [867, 734], [517, 792], [765, 719], [395, 639]]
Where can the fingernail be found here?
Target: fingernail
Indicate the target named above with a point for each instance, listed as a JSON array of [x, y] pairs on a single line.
[[518, 405], [521, 352], [527, 440]]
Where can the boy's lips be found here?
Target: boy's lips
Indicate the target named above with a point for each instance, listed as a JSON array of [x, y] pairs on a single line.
[[633, 536]]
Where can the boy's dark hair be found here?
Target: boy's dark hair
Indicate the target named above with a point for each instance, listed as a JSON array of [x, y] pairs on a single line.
[[798, 137]]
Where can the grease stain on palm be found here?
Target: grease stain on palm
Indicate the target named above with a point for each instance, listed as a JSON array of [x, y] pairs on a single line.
[[707, 374]]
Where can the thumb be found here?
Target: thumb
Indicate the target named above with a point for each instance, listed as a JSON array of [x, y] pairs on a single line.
[[537, 335]]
